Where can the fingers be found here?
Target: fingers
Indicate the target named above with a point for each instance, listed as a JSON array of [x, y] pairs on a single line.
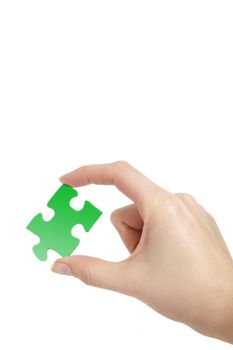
[[126, 178], [97, 272], [129, 224]]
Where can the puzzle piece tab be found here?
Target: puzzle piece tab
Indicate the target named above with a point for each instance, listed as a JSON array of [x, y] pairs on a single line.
[[56, 233]]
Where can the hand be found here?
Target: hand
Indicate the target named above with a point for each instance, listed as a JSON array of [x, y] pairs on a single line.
[[179, 263]]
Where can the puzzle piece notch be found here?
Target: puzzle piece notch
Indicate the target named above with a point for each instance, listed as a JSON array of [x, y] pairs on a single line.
[[56, 233]]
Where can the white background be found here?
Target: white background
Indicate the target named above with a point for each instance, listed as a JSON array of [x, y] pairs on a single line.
[[84, 82]]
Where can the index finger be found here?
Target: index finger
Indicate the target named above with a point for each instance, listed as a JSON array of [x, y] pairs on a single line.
[[120, 174]]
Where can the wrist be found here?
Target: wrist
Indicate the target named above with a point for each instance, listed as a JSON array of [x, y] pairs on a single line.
[[220, 319]]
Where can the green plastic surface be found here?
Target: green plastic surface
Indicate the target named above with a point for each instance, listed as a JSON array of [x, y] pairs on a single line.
[[56, 233]]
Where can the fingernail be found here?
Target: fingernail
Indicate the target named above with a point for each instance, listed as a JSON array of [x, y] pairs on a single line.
[[61, 177], [62, 269]]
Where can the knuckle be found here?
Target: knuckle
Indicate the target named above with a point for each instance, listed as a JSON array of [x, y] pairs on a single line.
[[121, 164], [87, 277], [186, 196], [173, 205], [210, 217]]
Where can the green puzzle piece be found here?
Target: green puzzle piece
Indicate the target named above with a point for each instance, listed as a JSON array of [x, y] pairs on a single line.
[[56, 233]]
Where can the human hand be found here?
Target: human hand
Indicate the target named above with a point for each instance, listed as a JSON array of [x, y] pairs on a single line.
[[179, 263]]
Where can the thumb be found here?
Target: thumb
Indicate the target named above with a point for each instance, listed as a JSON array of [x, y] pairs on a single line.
[[97, 272]]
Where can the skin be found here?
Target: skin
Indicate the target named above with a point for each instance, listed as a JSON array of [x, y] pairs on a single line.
[[179, 263]]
